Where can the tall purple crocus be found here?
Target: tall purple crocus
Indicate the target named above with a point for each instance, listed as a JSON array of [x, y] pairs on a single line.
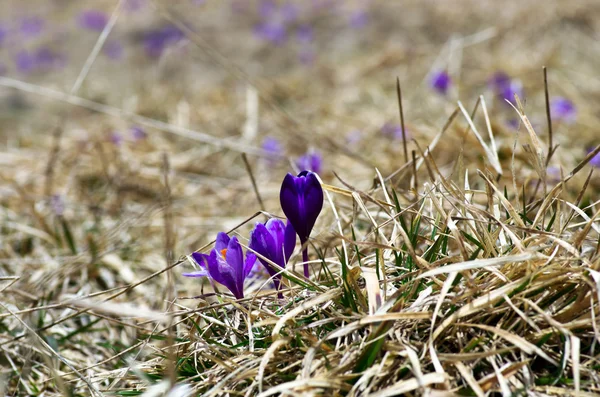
[[440, 81], [275, 241], [225, 264], [301, 199], [563, 110]]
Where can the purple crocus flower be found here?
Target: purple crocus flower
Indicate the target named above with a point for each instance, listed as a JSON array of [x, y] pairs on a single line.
[[25, 61], [31, 26], [499, 81], [272, 31], [394, 131], [509, 91], [311, 161], [225, 264], [94, 20], [301, 199], [156, 41], [563, 110], [113, 49], [275, 241], [440, 82], [359, 19], [138, 133], [595, 161]]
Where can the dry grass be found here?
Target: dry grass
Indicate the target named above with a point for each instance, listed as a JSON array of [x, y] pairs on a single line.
[[467, 270]]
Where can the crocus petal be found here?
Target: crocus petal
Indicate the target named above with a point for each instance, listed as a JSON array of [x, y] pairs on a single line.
[[222, 273], [235, 259], [201, 259], [289, 242], [262, 242], [249, 264], [289, 199], [222, 241], [276, 229], [313, 200], [198, 273]]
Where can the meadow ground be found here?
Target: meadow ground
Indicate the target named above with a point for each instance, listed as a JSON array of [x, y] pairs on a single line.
[[457, 252]]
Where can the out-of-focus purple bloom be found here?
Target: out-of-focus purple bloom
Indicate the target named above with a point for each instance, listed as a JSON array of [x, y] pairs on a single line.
[[266, 8], [272, 31], [440, 82], [306, 56], [563, 110], [499, 81], [311, 161], [31, 26], [225, 264], [510, 90], [275, 241], [394, 131], [25, 61], [272, 146], [156, 41], [94, 20], [304, 33], [359, 19], [505, 88], [595, 161], [514, 123], [3, 34], [289, 12], [46, 59], [354, 137], [138, 133], [57, 204], [116, 138], [113, 49], [301, 199], [134, 5]]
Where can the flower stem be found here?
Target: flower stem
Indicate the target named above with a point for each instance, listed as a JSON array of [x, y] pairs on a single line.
[[305, 260]]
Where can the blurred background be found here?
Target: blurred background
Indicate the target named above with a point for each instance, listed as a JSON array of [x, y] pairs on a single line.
[[123, 123]]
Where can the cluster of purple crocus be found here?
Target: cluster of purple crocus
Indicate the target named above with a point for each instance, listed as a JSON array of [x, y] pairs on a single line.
[[301, 199]]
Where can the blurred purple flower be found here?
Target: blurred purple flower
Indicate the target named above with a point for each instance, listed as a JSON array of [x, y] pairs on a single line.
[[3, 34], [359, 19], [46, 59], [510, 90], [301, 199], [563, 110], [595, 161], [499, 81], [113, 49], [440, 82], [94, 20], [272, 146], [272, 31], [57, 204], [394, 131], [32, 26], [116, 138], [138, 133], [266, 8], [225, 264], [134, 5], [25, 61], [289, 12], [304, 33], [306, 56], [276, 242], [310, 161], [354, 137], [156, 41]]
